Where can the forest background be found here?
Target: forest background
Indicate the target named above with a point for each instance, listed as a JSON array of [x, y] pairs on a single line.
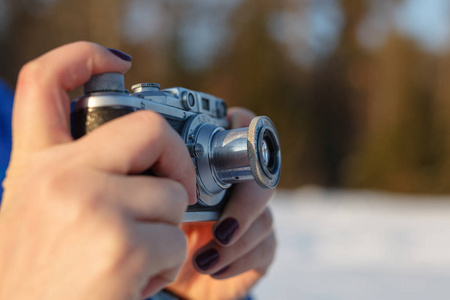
[[359, 89]]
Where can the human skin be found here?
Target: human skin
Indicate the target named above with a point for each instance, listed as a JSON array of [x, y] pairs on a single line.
[[75, 223]]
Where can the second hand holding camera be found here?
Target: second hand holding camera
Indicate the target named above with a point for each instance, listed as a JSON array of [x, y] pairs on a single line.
[[222, 157]]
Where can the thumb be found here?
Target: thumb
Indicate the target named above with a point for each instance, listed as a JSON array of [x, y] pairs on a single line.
[[42, 106]]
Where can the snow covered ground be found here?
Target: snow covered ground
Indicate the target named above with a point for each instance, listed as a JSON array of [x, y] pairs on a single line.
[[345, 245]]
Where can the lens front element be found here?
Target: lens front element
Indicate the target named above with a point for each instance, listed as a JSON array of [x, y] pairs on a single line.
[[264, 153]]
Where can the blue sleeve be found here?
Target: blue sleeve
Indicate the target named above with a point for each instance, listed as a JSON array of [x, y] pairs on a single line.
[[6, 103]]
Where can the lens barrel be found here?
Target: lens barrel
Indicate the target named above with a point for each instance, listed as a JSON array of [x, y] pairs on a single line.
[[230, 156], [245, 154]]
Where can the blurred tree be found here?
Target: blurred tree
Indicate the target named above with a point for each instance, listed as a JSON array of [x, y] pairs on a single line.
[[347, 115], [257, 74], [333, 102], [38, 26], [442, 124], [402, 150]]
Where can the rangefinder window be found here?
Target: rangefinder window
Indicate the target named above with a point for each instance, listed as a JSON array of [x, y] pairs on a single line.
[[205, 104]]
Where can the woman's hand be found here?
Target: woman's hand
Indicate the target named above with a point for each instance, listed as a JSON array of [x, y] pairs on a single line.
[[74, 224], [229, 257]]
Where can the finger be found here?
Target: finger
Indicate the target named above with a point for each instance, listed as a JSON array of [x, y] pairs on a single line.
[[156, 263], [259, 259], [149, 198], [246, 204], [159, 282], [41, 105], [239, 117], [138, 252], [213, 257], [136, 142], [163, 248]]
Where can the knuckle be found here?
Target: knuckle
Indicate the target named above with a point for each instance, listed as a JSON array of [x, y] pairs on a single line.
[[246, 244], [158, 129], [153, 120], [29, 73], [177, 192], [177, 200], [252, 204], [268, 249], [267, 219], [89, 203], [178, 243], [181, 246], [262, 271], [188, 173], [52, 182], [247, 208], [180, 240], [59, 184], [171, 278], [116, 238], [86, 45], [270, 194]]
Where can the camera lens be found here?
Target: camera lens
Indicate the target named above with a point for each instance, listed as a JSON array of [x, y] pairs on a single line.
[[264, 152], [247, 153], [268, 151], [232, 156]]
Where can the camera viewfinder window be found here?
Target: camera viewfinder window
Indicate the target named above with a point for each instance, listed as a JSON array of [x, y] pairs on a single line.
[[205, 104]]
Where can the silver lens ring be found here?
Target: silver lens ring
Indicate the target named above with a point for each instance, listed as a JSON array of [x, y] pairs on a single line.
[[264, 153]]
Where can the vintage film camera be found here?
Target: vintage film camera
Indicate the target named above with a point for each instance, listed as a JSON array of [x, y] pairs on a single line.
[[221, 156]]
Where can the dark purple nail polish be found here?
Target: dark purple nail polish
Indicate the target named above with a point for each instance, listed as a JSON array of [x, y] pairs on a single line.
[[225, 231], [207, 259], [120, 54], [221, 271]]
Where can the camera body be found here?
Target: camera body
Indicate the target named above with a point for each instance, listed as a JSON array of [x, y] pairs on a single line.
[[221, 157]]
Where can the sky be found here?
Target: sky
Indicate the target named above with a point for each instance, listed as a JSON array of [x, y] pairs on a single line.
[[311, 30], [426, 21]]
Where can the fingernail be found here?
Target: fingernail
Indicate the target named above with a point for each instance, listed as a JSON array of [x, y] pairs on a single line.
[[225, 231], [120, 54], [207, 259], [221, 271]]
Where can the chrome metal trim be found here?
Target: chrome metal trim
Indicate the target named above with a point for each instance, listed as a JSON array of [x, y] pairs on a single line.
[[197, 216]]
